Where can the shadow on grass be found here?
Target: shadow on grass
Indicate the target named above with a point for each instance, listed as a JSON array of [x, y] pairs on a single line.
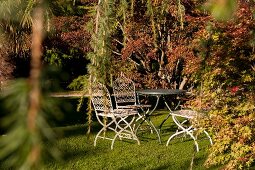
[[67, 154], [75, 130]]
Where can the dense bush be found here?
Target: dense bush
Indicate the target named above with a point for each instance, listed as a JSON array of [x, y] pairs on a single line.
[[227, 89]]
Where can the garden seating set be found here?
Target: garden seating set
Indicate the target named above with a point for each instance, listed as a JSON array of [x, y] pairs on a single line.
[[126, 119]]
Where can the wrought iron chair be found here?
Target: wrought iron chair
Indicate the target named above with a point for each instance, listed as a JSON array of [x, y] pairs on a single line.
[[125, 96], [117, 120], [188, 115], [124, 93]]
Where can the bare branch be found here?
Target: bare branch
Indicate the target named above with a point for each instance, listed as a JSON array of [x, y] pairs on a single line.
[[184, 81], [253, 67], [116, 53], [134, 61], [118, 41]]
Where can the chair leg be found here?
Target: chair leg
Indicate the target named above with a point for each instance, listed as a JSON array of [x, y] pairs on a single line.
[[195, 140], [180, 132], [143, 120], [172, 136], [114, 140], [188, 130], [131, 130], [210, 139], [104, 128], [95, 141], [127, 128]]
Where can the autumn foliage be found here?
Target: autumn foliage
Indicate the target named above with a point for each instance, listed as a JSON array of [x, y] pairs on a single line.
[[227, 90]]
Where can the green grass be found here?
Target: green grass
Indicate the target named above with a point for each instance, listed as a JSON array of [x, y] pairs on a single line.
[[78, 152]]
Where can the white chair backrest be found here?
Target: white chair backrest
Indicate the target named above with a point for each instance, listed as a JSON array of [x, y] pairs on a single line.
[[101, 98], [124, 91]]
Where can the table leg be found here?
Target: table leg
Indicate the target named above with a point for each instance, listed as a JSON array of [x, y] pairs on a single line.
[[148, 119], [160, 126]]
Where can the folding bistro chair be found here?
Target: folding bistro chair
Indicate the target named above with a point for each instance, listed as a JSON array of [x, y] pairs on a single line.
[[117, 120], [124, 93], [125, 96], [188, 115]]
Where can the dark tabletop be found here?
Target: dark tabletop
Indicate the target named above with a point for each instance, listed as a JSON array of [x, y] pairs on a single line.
[[160, 91]]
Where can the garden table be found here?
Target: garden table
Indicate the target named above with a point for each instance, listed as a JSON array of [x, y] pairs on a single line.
[[158, 93]]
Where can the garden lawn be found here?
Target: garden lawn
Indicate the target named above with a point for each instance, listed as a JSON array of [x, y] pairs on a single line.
[[78, 152]]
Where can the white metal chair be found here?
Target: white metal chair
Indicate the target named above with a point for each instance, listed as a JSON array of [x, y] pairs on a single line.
[[189, 115], [125, 97], [125, 94], [117, 120]]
